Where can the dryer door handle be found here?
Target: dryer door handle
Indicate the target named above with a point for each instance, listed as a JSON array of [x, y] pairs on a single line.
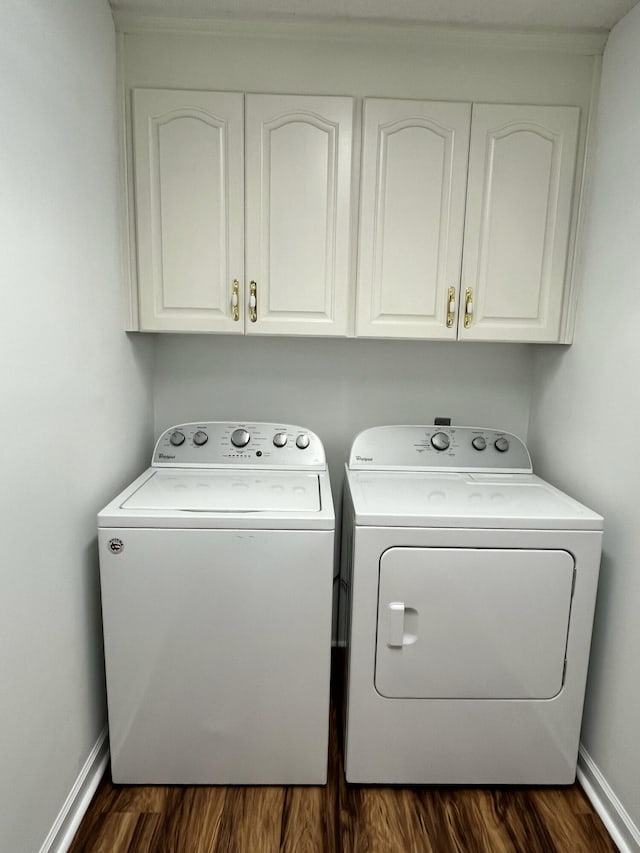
[[395, 634]]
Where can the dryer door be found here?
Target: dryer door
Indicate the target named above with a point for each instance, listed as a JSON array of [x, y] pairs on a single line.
[[472, 623]]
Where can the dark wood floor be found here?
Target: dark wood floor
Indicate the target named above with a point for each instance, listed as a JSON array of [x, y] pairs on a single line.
[[340, 818]]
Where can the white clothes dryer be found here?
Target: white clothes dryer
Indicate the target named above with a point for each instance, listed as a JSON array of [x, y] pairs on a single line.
[[216, 569], [472, 591]]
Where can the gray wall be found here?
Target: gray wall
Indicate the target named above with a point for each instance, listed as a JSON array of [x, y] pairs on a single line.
[[76, 396], [339, 387], [586, 411]]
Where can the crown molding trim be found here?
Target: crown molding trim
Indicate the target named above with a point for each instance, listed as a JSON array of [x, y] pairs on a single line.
[[349, 30]]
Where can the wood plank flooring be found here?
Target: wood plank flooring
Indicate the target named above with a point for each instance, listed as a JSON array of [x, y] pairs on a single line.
[[339, 818]]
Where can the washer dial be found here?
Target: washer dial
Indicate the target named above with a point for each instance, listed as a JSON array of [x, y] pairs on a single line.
[[240, 437], [479, 442], [302, 441], [200, 438], [440, 440], [501, 445], [176, 438], [280, 439]]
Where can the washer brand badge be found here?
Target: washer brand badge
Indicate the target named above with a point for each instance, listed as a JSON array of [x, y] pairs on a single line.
[[166, 456], [364, 458], [116, 546]]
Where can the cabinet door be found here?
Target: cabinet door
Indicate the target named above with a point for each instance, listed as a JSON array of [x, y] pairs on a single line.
[[189, 209], [414, 171], [298, 227], [517, 229]]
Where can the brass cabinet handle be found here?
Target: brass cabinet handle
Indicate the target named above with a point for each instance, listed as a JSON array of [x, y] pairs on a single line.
[[468, 307], [253, 301], [451, 307], [235, 300]]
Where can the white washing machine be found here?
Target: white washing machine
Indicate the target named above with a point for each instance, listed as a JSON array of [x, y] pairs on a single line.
[[472, 590], [216, 569]]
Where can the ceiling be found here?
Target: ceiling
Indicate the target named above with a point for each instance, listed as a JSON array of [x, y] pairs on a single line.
[[512, 14]]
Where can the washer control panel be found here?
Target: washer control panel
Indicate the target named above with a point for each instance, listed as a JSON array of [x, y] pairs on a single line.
[[434, 448], [227, 444]]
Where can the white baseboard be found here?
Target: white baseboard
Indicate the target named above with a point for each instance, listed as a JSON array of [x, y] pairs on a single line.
[[615, 817], [66, 824], [613, 814]]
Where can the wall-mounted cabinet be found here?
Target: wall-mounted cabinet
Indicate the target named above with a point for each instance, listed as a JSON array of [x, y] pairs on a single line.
[[465, 215], [243, 217], [244, 209]]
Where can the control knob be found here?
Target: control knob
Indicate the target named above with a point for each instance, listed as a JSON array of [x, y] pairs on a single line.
[[479, 442], [302, 441], [240, 438], [200, 438], [440, 440], [501, 445], [280, 439], [176, 438]]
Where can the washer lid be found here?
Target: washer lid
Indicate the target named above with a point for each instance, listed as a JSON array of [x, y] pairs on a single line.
[[226, 492], [420, 499]]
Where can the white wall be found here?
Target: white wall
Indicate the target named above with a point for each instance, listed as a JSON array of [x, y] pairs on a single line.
[[584, 430], [75, 404], [338, 387]]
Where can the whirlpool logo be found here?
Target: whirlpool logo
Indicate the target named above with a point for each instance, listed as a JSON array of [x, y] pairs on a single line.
[[364, 458], [116, 546]]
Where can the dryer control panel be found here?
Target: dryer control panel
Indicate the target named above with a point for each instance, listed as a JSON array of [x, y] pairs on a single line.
[[229, 444], [437, 448]]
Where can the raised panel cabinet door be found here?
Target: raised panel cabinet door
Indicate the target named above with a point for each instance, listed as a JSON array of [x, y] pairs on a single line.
[[414, 172], [188, 149], [517, 230], [298, 214]]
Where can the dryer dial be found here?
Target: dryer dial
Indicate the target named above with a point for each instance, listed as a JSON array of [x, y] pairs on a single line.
[[440, 440], [240, 438]]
